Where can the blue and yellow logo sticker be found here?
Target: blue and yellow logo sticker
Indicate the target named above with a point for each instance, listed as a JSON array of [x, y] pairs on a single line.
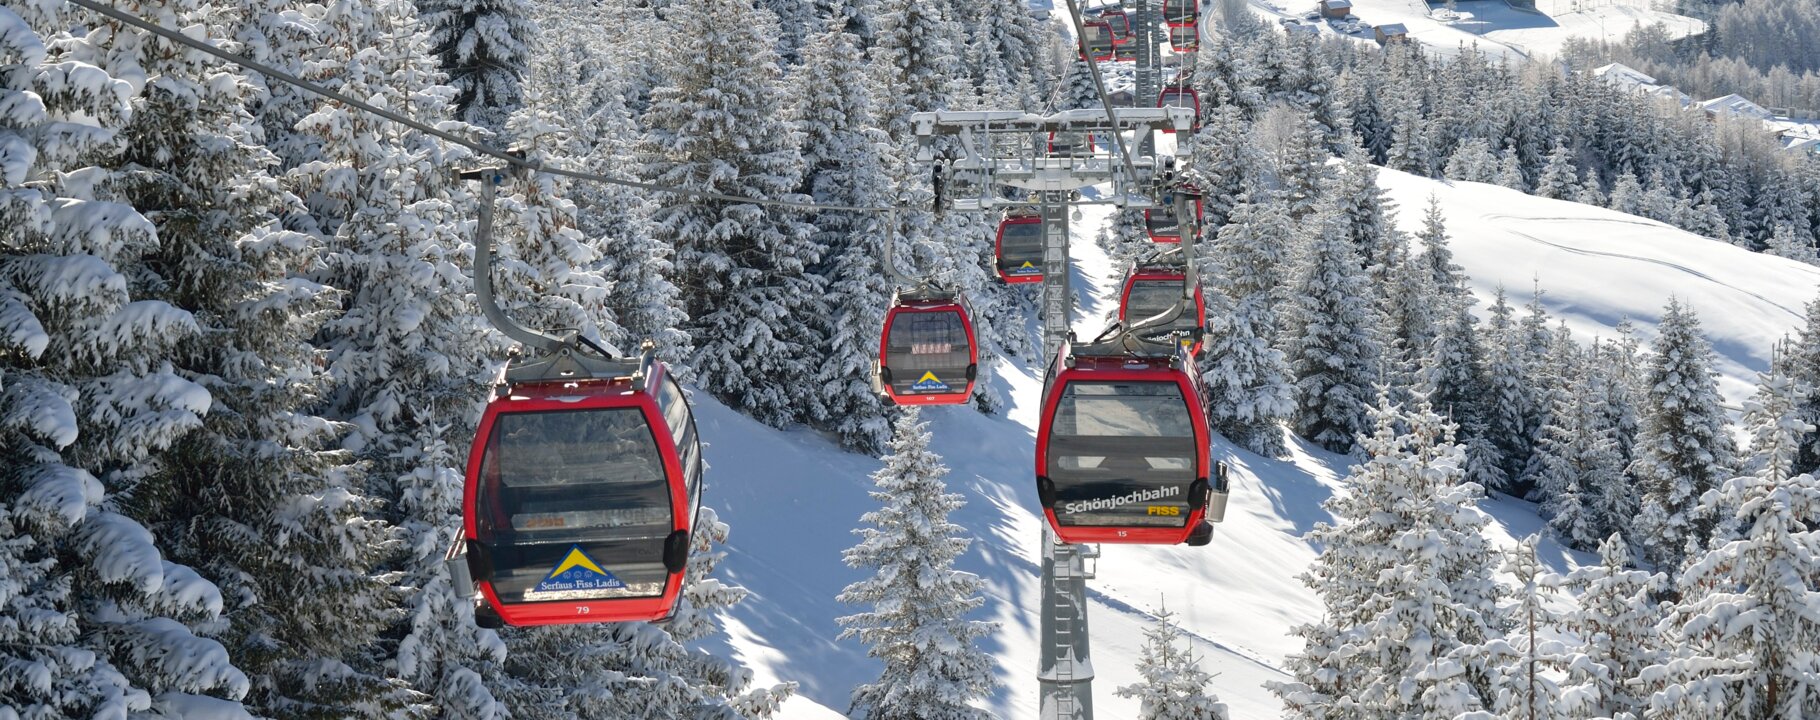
[[929, 383], [1026, 269], [578, 573]]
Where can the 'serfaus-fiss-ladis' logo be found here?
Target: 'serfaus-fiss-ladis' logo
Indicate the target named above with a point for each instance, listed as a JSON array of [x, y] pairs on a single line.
[[578, 573], [929, 383]]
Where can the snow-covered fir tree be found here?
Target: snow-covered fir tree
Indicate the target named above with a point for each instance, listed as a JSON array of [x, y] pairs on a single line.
[[718, 125], [1745, 631], [1615, 620], [1683, 447], [408, 353], [1580, 480], [1224, 165], [1333, 349], [914, 61], [916, 622], [1802, 355], [1245, 376], [1510, 170], [1405, 581], [1511, 412], [1529, 688], [1560, 179], [1172, 685], [1447, 277], [843, 156], [1473, 161], [484, 46], [89, 606], [546, 267]]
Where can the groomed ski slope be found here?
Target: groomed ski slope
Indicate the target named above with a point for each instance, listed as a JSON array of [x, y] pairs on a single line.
[[792, 498]]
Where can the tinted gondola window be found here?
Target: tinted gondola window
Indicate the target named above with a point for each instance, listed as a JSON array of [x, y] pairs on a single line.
[[1150, 298], [1122, 454], [1021, 249], [575, 506], [1177, 12], [1161, 221], [928, 353], [675, 409]]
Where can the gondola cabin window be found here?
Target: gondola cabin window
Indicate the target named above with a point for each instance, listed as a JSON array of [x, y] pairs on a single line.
[[567, 490], [675, 409], [1122, 454]]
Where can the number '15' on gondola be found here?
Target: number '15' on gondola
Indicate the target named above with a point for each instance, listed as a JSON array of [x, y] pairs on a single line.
[[583, 485]]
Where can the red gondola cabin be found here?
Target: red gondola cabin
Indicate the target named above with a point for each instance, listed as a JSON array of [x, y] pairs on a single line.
[[1184, 38], [1019, 248], [1098, 40], [1180, 96], [1152, 290], [1162, 224], [1178, 13], [1122, 455], [582, 486], [927, 354]]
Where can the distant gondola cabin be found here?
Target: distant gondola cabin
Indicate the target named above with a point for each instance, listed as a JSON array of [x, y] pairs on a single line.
[[928, 354], [1019, 249]]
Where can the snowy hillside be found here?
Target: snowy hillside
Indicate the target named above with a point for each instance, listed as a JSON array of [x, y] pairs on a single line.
[[1493, 25], [791, 496]]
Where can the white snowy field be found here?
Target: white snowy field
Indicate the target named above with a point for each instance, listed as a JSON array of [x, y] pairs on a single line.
[[792, 497], [1494, 26]]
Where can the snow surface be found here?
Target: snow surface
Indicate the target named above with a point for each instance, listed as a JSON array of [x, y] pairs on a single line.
[[1494, 26], [792, 496]]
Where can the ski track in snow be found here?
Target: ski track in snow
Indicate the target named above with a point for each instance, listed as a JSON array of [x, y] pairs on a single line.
[[792, 497]]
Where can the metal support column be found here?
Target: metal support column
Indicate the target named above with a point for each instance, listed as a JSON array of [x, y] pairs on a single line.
[[1065, 671], [1146, 18]]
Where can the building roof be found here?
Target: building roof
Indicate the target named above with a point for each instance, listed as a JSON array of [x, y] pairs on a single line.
[[1621, 74], [1736, 105], [1337, 3], [1393, 29], [1801, 145]]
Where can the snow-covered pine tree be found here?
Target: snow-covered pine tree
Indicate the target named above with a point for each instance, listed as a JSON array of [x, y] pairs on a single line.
[[1683, 446], [718, 125], [1172, 685], [89, 404], [1510, 170], [1005, 53], [1745, 630], [843, 157], [918, 602], [1615, 620], [546, 269], [1246, 377], [1448, 278], [1333, 349], [484, 47], [1580, 477], [1224, 164], [1511, 405], [914, 61], [1529, 687], [574, 75], [256, 499], [1560, 179], [409, 353], [1404, 577], [1473, 161], [1302, 170], [1626, 195], [1802, 354], [1457, 385]]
